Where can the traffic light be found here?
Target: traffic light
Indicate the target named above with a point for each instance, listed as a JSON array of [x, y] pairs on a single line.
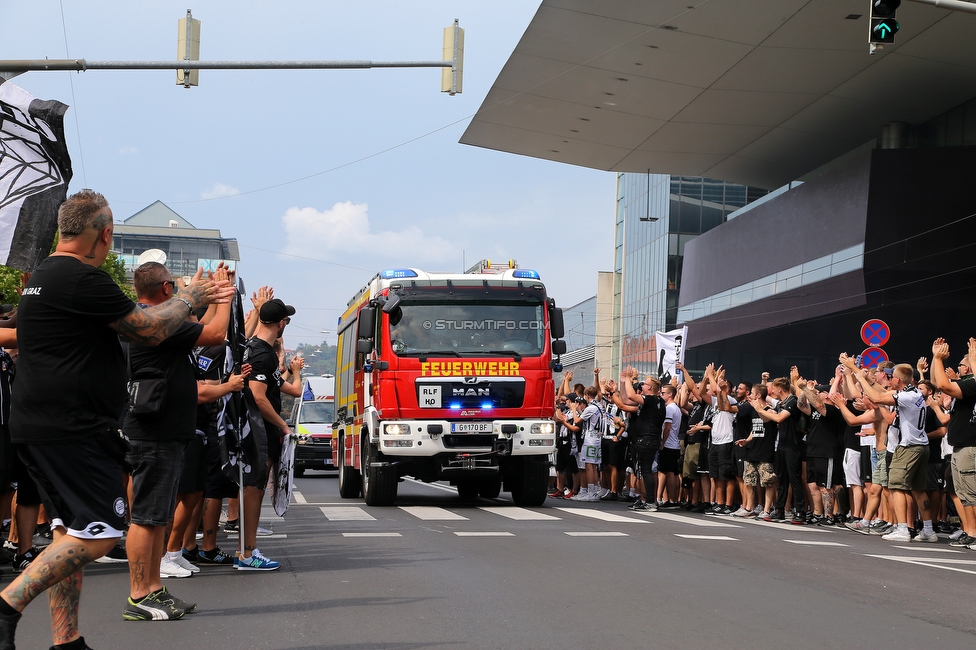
[[883, 23]]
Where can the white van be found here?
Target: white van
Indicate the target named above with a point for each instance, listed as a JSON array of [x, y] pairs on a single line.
[[311, 420]]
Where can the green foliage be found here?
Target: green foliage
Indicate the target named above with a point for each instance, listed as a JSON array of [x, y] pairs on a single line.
[[320, 359], [114, 266]]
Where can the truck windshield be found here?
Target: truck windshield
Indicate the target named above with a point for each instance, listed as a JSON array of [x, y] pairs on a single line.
[[465, 328], [317, 413]]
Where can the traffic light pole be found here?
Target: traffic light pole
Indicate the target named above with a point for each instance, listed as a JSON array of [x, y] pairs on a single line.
[[955, 5]]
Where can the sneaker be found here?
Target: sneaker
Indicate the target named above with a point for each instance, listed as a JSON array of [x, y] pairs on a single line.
[[264, 532], [715, 510], [636, 505], [882, 528], [925, 537], [798, 519], [116, 555], [648, 506], [232, 527], [592, 496], [749, 515], [8, 627], [956, 535], [779, 516], [670, 505], [898, 535], [191, 556], [857, 526], [10, 546], [21, 562], [179, 560], [256, 562], [156, 606], [758, 510], [699, 509], [627, 498], [963, 541], [189, 608], [170, 569], [609, 496], [603, 493], [579, 496], [741, 512], [216, 556], [726, 511], [826, 520]]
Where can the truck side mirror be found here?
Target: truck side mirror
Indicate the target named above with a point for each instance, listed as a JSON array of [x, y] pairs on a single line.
[[364, 346], [556, 328], [559, 347], [367, 323]]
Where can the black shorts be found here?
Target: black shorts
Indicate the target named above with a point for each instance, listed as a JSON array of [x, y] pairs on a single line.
[[866, 469], [669, 461], [824, 472], [720, 464], [934, 473], [617, 456], [646, 461], [218, 486], [193, 473], [565, 461], [703, 449], [27, 492], [80, 486], [605, 451], [950, 486], [156, 468]]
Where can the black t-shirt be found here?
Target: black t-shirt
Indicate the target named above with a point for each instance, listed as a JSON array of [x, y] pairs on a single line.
[[787, 434], [762, 449], [650, 418], [851, 439], [824, 436], [932, 423], [173, 357], [962, 424], [7, 371], [71, 370], [742, 425], [264, 369]]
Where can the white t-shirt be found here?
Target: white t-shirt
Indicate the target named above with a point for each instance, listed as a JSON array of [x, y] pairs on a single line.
[[722, 424], [868, 440], [674, 415], [910, 418]]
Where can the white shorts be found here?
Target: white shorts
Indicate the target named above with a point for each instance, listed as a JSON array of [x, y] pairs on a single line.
[[852, 468], [592, 450]]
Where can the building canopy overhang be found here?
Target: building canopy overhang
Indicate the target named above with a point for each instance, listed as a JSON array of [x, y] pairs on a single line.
[[758, 92]]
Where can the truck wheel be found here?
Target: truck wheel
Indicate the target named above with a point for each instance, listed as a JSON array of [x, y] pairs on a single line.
[[467, 490], [533, 482], [350, 481], [379, 483], [490, 488]]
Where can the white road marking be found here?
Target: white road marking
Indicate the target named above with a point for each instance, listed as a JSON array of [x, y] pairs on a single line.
[[603, 516], [482, 534], [432, 513], [298, 497], [437, 486], [346, 513], [708, 523], [929, 562], [609, 533], [813, 542], [719, 537], [519, 514], [372, 535], [805, 528], [272, 536], [927, 548]]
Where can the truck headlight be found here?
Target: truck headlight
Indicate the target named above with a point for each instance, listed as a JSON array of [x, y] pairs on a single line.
[[396, 429], [541, 428]]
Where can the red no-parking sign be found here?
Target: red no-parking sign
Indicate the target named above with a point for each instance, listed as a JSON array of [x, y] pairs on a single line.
[[875, 333], [873, 357]]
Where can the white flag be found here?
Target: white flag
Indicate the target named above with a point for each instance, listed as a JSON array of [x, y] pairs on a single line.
[[670, 348], [34, 172]]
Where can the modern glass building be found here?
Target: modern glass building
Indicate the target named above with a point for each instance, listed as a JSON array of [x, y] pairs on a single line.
[[657, 215], [186, 247]]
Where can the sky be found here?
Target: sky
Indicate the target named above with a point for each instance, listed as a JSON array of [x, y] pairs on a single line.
[[324, 177]]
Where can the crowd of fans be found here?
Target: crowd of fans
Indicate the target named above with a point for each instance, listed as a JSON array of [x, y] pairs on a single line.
[[112, 415], [885, 451]]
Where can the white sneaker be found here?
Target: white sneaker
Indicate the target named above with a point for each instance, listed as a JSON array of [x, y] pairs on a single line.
[[264, 532], [898, 535], [925, 537], [757, 510], [170, 569], [603, 493], [593, 496], [741, 512], [579, 496], [185, 563], [956, 535]]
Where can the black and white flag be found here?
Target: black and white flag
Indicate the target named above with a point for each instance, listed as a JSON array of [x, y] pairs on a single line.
[[670, 348], [34, 172]]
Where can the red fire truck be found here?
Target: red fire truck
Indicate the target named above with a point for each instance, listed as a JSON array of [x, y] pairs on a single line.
[[447, 376]]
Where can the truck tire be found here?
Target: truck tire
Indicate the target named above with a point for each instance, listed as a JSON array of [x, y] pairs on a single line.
[[490, 488], [379, 483], [533, 483], [350, 481], [467, 490]]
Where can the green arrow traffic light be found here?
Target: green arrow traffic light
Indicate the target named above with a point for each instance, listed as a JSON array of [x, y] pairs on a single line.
[[883, 31]]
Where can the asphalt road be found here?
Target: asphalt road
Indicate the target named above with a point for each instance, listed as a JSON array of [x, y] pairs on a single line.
[[435, 572]]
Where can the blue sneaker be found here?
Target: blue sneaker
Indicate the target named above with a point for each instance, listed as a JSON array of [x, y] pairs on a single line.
[[256, 562]]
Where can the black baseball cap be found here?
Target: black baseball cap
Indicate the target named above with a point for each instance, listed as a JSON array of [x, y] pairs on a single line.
[[275, 310]]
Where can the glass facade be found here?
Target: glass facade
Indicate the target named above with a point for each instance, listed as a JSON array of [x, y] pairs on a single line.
[[657, 215], [580, 323]]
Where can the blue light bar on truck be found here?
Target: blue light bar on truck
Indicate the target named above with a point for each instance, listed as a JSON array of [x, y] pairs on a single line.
[[392, 274], [526, 273]]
